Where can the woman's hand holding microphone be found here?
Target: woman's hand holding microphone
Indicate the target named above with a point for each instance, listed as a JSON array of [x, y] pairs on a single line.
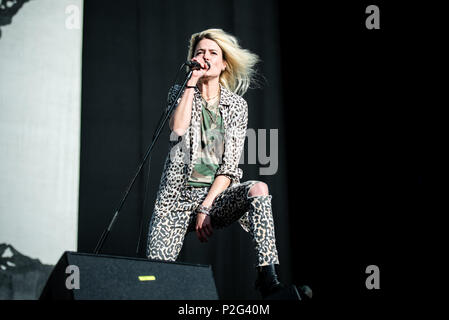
[[180, 120], [198, 73]]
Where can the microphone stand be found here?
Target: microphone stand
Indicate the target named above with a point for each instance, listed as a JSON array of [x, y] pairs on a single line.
[[150, 148]]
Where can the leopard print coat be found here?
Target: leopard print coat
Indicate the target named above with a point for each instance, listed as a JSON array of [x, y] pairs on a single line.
[[183, 149]]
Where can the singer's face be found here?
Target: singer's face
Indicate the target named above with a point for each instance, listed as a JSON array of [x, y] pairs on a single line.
[[210, 51]]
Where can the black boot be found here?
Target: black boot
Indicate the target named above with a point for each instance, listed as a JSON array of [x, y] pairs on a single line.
[[267, 281], [270, 288]]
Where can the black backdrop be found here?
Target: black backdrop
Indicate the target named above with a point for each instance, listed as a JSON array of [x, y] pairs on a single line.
[[345, 179]]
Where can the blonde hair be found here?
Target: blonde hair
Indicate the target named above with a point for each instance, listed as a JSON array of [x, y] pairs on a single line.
[[240, 71]]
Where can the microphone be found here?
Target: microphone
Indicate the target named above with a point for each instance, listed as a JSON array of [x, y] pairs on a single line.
[[195, 65]]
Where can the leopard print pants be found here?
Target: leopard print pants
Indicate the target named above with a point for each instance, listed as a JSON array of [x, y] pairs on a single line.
[[166, 234]]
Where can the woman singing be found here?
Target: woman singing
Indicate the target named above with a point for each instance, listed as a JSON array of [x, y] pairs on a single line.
[[200, 188]]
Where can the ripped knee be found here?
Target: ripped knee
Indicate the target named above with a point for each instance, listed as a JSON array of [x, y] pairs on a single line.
[[258, 189]]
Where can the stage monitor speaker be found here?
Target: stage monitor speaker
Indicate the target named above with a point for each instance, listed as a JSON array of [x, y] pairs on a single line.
[[82, 276]]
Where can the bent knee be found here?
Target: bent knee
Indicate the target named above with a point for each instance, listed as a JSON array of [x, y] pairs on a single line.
[[258, 189]]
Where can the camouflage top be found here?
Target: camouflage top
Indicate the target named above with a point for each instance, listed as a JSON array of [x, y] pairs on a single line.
[[211, 148]]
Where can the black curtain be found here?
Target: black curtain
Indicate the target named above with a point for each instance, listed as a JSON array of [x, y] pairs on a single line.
[[351, 96], [329, 91]]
